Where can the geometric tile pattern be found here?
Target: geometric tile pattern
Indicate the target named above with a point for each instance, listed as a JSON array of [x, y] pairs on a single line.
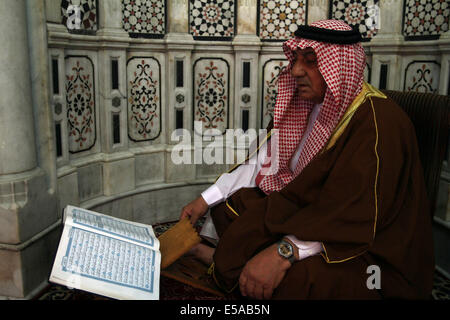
[[144, 98], [362, 14], [80, 102], [212, 18], [426, 17], [271, 72], [422, 76], [279, 19], [144, 16], [211, 93], [87, 10]]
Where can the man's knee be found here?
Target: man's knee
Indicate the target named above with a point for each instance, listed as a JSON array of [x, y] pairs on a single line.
[[314, 278]]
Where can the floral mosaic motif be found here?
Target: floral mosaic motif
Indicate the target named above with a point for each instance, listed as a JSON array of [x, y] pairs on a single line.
[[271, 72], [144, 16], [80, 103], [211, 93], [278, 20], [212, 18], [426, 17], [419, 77], [88, 12], [144, 106], [362, 14]]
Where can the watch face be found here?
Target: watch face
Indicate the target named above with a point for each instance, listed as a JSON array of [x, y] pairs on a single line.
[[285, 249]]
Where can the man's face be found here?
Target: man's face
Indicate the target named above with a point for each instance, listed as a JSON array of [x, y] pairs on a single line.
[[310, 83]]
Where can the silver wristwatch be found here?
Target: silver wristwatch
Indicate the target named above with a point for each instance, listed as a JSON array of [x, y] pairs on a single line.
[[286, 250]]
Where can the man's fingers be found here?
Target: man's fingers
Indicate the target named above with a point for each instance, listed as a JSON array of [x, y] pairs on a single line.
[[250, 288], [258, 292]]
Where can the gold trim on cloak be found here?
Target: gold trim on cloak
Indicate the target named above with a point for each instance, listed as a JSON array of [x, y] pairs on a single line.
[[367, 93]]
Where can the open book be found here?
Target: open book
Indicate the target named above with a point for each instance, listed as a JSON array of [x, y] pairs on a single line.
[[121, 259], [107, 256]]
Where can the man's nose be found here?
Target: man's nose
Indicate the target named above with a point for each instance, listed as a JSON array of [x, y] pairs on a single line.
[[298, 70]]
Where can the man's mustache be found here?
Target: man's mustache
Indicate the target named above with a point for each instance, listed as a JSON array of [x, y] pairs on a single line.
[[303, 82]]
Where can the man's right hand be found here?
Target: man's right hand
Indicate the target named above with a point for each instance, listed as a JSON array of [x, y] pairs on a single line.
[[194, 210]]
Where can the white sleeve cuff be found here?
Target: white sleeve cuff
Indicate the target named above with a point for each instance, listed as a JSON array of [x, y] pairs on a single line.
[[212, 195], [305, 248]]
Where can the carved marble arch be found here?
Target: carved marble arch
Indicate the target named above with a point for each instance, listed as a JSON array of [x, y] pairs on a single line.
[[144, 98], [211, 85], [80, 103]]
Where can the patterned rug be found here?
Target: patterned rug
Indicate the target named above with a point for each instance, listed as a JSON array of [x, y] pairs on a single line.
[[174, 290]]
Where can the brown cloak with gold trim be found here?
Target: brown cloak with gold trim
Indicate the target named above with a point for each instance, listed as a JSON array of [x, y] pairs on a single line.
[[364, 198]]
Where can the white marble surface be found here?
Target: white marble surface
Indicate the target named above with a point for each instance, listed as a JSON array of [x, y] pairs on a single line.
[[17, 138]]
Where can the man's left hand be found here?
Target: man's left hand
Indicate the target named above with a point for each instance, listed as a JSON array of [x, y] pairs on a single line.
[[263, 273]]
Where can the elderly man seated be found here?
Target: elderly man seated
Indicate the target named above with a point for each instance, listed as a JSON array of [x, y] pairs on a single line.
[[348, 200]]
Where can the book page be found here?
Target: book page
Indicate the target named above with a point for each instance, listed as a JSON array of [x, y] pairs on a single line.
[[110, 226], [107, 266]]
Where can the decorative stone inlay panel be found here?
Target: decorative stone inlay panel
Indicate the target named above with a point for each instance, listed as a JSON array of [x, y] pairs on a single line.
[[426, 17], [88, 13], [212, 18], [278, 20], [271, 71], [80, 102], [364, 14], [422, 76], [146, 17], [211, 93], [144, 98]]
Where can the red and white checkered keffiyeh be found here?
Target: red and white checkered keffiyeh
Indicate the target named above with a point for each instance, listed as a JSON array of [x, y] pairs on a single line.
[[342, 67]]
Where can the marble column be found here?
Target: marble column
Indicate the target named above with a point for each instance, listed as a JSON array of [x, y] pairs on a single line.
[[390, 21], [28, 213], [110, 18], [17, 145], [246, 17], [179, 43], [53, 11], [318, 10], [386, 45], [40, 86], [118, 168], [444, 47], [178, 20], [247, 46]]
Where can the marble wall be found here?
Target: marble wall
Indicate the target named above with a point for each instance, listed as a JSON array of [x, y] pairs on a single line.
[[115, 82]]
